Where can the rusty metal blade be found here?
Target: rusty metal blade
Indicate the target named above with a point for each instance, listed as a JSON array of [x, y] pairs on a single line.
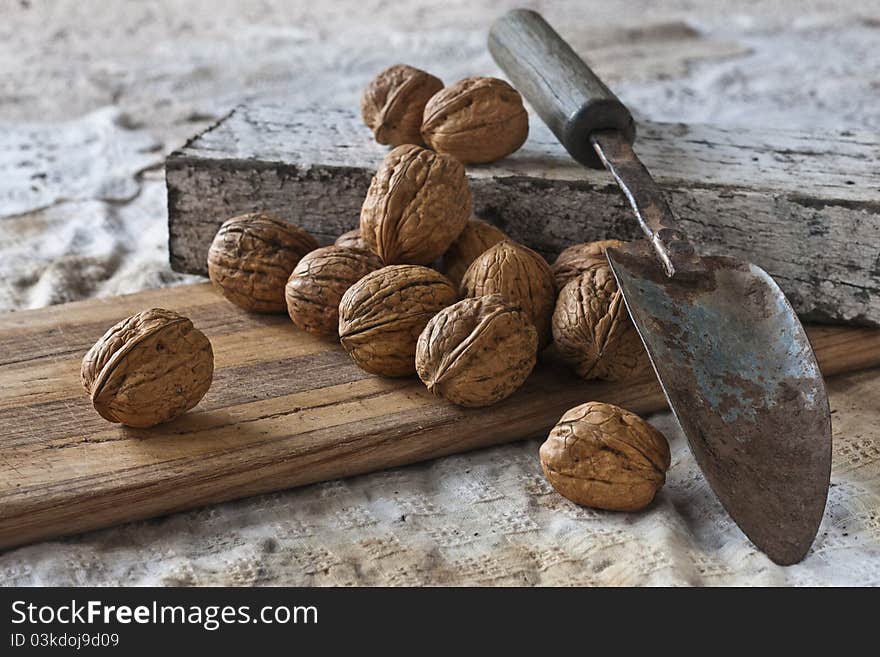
[[741, 377]]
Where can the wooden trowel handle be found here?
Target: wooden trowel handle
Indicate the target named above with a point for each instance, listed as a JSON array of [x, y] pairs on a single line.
[[558, 84]]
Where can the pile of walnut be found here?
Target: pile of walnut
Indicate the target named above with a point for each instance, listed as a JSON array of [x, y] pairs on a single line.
[[421, 287]]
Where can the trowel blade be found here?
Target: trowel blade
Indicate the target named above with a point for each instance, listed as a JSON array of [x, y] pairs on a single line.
[[741, 378]]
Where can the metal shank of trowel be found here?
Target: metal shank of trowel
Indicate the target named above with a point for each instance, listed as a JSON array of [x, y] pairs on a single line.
[[647, 201], [589, 120]]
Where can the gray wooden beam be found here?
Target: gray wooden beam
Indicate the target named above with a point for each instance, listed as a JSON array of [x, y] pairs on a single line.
[[806, 207]]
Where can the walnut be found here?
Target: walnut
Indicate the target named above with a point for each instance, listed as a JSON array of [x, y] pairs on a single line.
[[476, 237], [605, 457], [577, 259], [476, 120], [393, 103], [252, 257], [477, 352], [416, 206], [318, 282], [148, 369], [593, 330], [352, 239], [382, 315], [518, 274]]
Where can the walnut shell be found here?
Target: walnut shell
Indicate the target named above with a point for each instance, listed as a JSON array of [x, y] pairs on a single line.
[[593, 330], [477, 352], [148, 368], [252, 257], [605, 457], [352, 239], [476, 237], [476, 120], [382, 315], [393, 103], [577, 259], [416, 206], [318, 282], [521, 276]]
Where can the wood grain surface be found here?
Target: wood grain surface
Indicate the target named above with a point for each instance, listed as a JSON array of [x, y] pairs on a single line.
[[791, 202], [285, 409]]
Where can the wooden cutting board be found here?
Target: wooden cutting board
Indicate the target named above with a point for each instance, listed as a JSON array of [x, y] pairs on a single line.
[[285, 409]]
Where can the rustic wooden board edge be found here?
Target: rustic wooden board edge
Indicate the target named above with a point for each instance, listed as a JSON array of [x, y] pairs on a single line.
[[801, 231], [96, 512]]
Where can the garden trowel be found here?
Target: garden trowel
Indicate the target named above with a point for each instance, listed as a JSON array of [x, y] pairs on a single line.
[[733, 360]]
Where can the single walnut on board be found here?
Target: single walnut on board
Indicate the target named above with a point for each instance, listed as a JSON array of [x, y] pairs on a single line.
[[519, 275], [417, 204], [393, 103], [148, 369], [252, 257], [577, 259], [476, 120], [382, 315], [593, 331], [476, 238], [316, 286], [477, 352], [602, 456]]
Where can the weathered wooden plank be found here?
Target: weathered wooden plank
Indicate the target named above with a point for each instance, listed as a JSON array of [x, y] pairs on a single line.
[[804, 206], [285, 409]]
